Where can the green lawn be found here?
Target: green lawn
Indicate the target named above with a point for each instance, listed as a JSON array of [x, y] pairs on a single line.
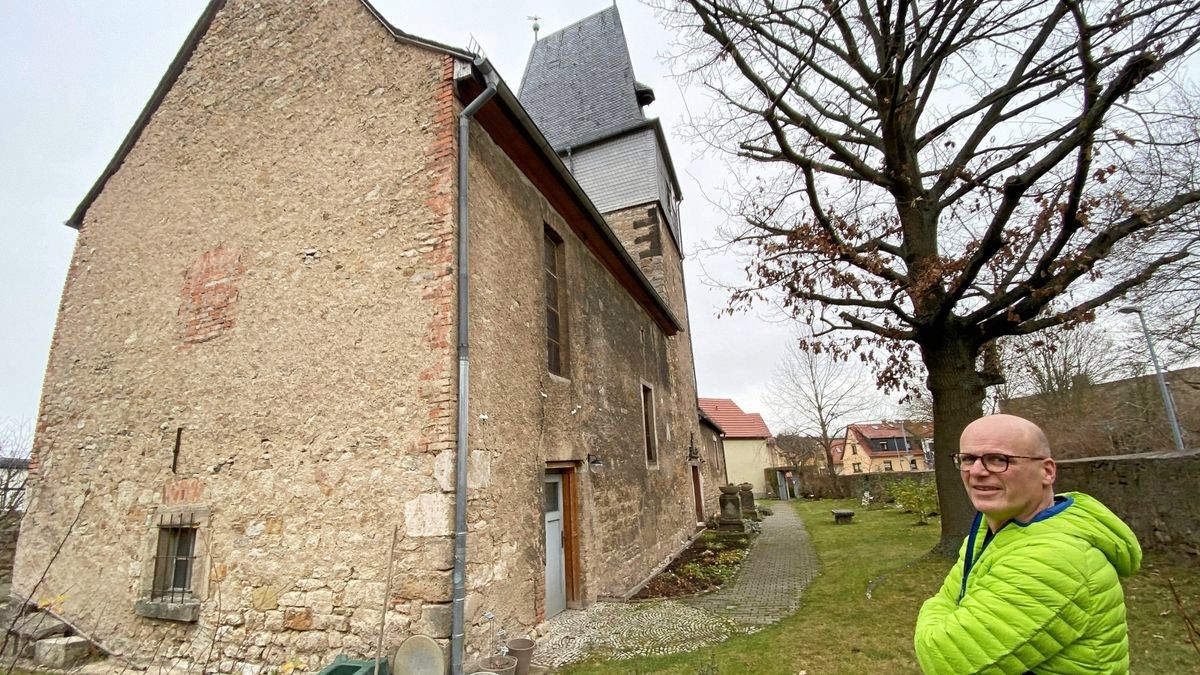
[[839, 630]]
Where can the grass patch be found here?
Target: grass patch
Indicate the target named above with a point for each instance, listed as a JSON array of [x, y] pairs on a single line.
[[1157, 632], [838, 630]]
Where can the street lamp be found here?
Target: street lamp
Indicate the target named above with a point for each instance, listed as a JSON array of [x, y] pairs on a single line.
[[1162, 383]]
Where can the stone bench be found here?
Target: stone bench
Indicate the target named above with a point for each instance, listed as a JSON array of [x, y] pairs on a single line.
[[842, 516]]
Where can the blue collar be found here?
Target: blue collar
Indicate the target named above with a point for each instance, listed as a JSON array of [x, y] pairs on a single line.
[[1061, 503]]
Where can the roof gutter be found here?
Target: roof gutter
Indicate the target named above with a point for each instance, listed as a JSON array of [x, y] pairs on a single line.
[[464, 361]]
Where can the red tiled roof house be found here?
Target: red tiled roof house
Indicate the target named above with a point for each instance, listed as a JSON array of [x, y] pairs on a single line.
[[749, 446], [883, 447]]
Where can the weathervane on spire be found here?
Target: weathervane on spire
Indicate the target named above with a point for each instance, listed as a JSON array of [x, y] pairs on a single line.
[[536, 26]]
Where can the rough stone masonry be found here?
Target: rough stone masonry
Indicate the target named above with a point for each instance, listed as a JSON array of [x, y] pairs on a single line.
[[255, 358]]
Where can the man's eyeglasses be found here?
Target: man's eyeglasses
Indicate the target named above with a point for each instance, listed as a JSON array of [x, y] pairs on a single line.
[[992, 461]]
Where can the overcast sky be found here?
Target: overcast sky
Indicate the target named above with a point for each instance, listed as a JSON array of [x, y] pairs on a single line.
[[76, 74]]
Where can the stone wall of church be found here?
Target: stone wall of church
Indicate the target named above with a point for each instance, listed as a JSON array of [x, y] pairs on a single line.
[[256, 340], [635, 512]]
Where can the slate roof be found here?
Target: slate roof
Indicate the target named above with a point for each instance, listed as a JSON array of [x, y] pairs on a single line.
[[578, 85], [736, 423]]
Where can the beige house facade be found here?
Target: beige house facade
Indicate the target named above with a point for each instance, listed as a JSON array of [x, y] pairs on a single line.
[[747, 458], [255, 376], [884, 447], [749, 448]]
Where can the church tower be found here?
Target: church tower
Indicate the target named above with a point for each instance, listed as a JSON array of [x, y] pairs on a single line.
[[580, 90]]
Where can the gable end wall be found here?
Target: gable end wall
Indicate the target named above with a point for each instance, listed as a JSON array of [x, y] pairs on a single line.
[[295, 191]]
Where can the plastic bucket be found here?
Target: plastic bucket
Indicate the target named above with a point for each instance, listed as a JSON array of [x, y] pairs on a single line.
[[522, 649]]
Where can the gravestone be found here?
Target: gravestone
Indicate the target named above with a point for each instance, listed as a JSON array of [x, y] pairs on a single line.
[[749, 508], [731, 514]]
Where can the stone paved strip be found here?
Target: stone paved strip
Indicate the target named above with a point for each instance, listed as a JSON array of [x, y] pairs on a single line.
[[778, 567]]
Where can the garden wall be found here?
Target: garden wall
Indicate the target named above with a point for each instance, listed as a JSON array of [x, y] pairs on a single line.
[[1153, 492]]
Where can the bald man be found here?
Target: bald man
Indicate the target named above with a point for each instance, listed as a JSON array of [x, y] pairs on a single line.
[[1036, 587]]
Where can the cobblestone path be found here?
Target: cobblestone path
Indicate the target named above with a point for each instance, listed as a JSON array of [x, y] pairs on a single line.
[[767, 588], [776, 572]]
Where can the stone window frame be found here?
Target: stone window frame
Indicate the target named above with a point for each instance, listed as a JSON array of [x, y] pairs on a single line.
[[857, 467], [887, 465], [649, 425], [553, 252], [912, 464], [187, 610]]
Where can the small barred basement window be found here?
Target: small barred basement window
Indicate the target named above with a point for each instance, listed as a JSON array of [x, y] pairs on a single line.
[[176, 558], [173, 584]]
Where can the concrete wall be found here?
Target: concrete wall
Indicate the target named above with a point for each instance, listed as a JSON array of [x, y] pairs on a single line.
[[644, 232], [712, 454], [634, 513], [1154, 493]]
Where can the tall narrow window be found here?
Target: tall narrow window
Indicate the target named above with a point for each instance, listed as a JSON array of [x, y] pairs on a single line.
[[648, 424], [556, 332]]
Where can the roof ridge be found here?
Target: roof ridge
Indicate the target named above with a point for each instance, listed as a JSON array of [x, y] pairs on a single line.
[[593, 15]]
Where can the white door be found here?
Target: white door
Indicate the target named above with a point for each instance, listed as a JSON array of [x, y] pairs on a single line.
[[556, 578]]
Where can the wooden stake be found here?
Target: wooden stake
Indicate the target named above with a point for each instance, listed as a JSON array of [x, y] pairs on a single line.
[[387, 596]]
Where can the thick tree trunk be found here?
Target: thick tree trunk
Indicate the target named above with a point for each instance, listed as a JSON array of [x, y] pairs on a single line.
[[958, 393]]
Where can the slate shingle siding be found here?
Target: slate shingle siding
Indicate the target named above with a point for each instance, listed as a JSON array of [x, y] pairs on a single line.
[[614, 173], [578, 84]]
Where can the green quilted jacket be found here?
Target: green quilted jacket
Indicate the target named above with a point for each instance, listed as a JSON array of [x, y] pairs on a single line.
[[1041, 596]]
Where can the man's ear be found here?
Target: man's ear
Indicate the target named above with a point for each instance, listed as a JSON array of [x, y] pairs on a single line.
[[1051, 469]]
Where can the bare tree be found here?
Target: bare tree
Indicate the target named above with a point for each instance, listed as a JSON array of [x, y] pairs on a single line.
[[16, 437], [927, 177], [1172, 304], [800, 449], [16, 440], [1052, 377], [817, 394], [1091, 397], [1059, 363]]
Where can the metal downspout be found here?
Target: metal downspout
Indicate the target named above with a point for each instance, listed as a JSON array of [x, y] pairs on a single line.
[[460, 443]]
